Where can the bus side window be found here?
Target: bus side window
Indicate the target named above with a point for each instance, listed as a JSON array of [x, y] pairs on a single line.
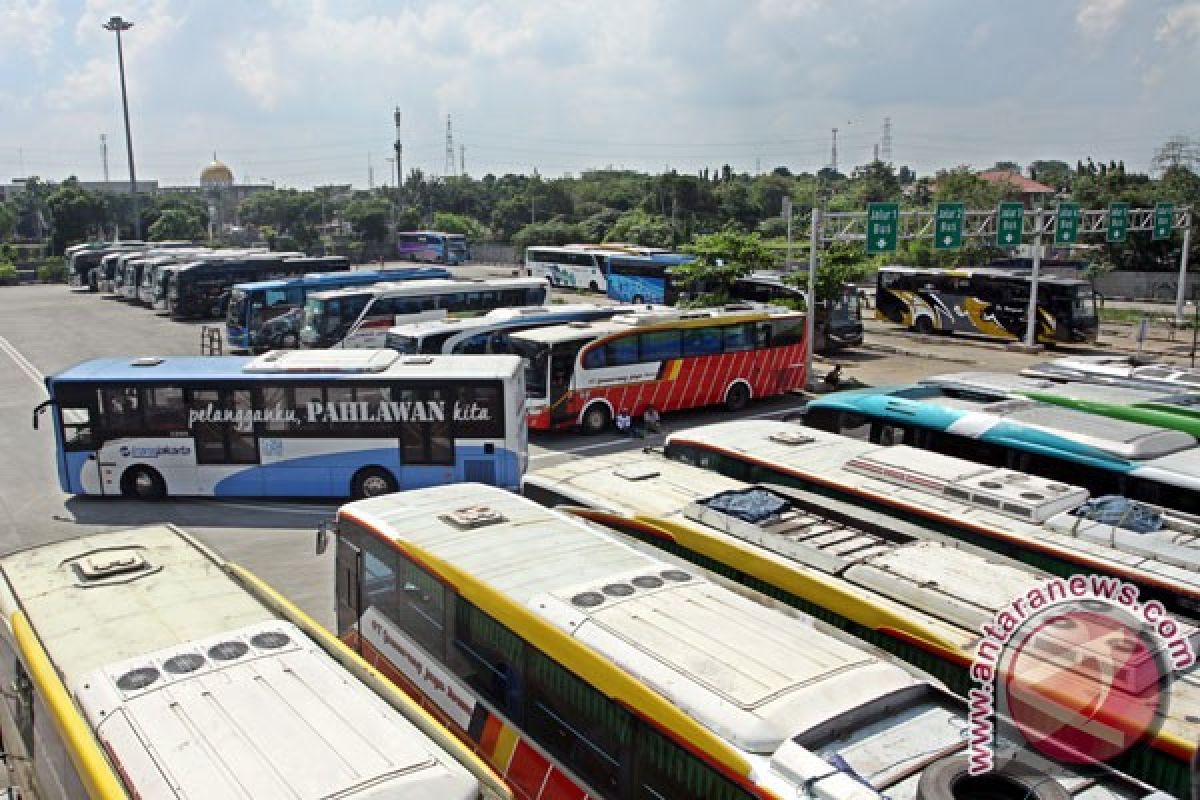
[[622, 351], [887, 434], [578, 724], [121, 410], [488, 656], [663, 769]]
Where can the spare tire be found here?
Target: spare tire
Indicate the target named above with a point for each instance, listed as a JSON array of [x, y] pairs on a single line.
[[948, 779]]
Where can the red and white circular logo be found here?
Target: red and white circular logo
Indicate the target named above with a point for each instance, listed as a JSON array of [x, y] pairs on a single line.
[[1083, 684]]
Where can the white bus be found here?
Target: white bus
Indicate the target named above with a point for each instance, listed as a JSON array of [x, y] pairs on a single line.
[[287, 423], [571, 659], [575, 266], [361, 316], [489, 333], [916, 593], [140, 665]]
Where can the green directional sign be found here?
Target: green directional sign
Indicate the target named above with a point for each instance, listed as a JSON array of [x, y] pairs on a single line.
[[1118, 222], [883, 227], [1164, 214], [1066, 227], [1010, 220], [948, 225]]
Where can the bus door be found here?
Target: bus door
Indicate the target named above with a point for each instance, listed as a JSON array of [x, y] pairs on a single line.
[[226, 445], [562, 376], [348, 562]]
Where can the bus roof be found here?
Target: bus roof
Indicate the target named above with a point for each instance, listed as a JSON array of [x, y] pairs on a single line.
[[366, 276], [197, 689], [432, 286], [297, 365], [755, 676], [500, 316], [993, 272], [1005, 383], [690, 317]]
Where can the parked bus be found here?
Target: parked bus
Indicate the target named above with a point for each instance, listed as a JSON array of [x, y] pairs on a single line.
[[288, 423], [82, 264], [139, 664], [988, 301], [645, 278], [583, 373], [489, 333], [1057, 527], [572, 267], [1162, 409], [1107, 456], [361, 317], [838, 324], [202, 289], [887, 582], [266, 315], [624, 674], [433, 246], [1118, 370], [153, 268]]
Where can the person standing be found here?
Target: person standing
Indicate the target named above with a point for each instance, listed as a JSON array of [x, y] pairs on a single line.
[[652, 420], [624, 422]]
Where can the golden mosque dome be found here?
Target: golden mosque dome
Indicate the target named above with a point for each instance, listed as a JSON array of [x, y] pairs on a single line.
[[216, 174]]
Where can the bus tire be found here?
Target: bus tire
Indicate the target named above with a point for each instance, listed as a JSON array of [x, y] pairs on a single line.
[[593, 286], [595, 419], [737, 396], [143, 483], [289, 341], [638, 299], [948, 779], [372, 482], [923, 325]]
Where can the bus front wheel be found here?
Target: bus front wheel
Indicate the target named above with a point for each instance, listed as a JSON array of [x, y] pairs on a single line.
[[595, 419], [144, 483], [923, 325], [737, 397], [372, 482], [638, 299]]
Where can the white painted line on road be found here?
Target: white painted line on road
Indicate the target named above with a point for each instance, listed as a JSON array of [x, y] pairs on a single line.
[[21, 361], [276, 509], [617, 442]]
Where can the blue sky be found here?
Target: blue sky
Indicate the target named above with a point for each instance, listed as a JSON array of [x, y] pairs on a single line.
[[299, 92]]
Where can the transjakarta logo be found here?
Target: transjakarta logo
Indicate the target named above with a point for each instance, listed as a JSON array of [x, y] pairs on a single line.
[[155, 452], [1076, 670]]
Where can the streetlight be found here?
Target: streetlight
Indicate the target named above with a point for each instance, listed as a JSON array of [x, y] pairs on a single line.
[[116, 25]]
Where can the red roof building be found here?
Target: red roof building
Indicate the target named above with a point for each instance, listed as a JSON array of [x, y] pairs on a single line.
[[1029, 188]]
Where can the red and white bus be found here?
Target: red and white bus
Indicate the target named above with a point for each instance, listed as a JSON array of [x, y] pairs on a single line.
[[583, 373]]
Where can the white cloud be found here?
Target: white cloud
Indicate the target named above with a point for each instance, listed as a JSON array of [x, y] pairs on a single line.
[[255, 67], [1096, 19], [788, 9], [28, 25], [1182, 23], [842, 40]]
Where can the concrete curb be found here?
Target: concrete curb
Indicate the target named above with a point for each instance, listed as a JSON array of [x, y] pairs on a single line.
[[899, 351]]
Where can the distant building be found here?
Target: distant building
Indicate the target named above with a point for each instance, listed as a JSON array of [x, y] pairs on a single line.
[[1032, 192], [222, 194]]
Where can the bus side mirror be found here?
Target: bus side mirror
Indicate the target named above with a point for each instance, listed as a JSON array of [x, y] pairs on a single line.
[[37, 412], [324, 528]]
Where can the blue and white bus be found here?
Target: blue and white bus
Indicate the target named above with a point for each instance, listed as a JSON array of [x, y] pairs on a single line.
[[489, 333], [433, 246], [266, 315], [644, 278], [287, 424], [1104, 455]]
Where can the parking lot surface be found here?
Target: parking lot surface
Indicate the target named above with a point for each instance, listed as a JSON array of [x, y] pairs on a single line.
[[46, 328]]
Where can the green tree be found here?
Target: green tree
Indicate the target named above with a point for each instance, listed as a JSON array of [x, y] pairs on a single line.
[[369, 216], [638, 227], [1056, 174], [77, 213], [176, 224], [720, 259], [841, 263], [554, 232], [8, 220], [875, 183], [962, 185], [458, 223]]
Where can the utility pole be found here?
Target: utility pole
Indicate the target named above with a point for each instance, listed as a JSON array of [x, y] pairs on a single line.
[[462, 159], [117, 25], [449, 165], [1031, 322], [887, 140], [399, 150], [104, 154], [833, 153], [370, 172]]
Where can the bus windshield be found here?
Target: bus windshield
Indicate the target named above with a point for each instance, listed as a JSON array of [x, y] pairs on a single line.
[[324, 315], [1084, 307], [536, 356], [405, 345]]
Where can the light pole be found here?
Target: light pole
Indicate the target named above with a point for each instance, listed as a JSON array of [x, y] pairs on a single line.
[[116, 25]]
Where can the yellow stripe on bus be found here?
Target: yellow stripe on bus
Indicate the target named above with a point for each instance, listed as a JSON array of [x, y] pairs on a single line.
[[578, 657], [370, 676], [506, 744], [96, 772]]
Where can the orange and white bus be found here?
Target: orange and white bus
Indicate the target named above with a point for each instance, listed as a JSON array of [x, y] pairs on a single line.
[[583, 373]]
